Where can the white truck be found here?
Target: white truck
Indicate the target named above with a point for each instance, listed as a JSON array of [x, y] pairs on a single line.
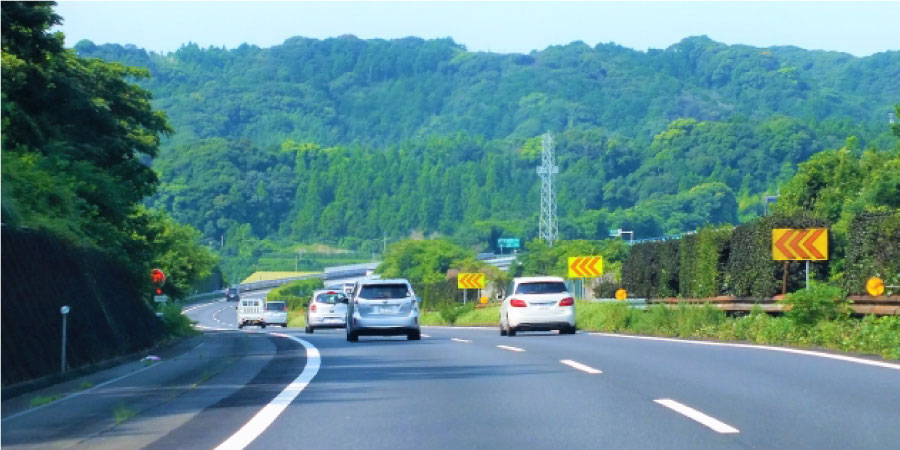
[[251, 311]]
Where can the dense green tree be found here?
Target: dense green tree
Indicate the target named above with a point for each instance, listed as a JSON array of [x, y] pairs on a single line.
[[425, 261], [76, 132], [77, 138]]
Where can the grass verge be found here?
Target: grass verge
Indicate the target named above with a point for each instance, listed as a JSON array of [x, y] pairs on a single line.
[[296, 318], [872, 335]]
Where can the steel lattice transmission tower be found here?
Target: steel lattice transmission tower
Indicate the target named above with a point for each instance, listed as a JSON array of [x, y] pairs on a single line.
[[548, 230]]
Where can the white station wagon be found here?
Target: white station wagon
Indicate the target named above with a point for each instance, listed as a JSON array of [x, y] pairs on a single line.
[[537, 304]]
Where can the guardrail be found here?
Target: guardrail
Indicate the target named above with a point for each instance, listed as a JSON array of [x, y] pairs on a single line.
[[255, 286], [887, 305]]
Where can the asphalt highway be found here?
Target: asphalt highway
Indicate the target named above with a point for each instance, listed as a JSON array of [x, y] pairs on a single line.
[[469, 388]]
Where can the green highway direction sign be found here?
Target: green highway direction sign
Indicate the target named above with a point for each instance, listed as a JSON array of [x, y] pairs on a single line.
[[508, 242]]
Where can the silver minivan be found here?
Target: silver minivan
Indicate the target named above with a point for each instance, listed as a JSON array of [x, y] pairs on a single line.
[[383, 308]]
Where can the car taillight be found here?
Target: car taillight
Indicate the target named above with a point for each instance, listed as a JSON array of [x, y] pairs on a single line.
[[517, 303], [312, 307], [568, 301]]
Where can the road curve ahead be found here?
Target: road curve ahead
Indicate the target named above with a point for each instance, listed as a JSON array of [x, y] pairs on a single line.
[[471, 388]]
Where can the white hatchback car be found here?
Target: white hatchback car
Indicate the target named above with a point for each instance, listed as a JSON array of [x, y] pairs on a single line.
[[276, 313], [327, 309], [537, 304]]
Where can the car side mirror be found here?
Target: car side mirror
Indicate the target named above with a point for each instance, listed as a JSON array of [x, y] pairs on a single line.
[[418, 299], [345, 300], [235, 307]]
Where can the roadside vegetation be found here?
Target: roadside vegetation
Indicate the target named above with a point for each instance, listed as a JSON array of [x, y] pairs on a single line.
[[823, 326], [871, 334], [177, 324]]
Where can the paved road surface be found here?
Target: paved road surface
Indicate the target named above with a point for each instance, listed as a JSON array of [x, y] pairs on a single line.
[[471, 388]]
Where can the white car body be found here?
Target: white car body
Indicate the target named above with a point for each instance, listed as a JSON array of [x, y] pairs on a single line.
[[251, 311], [327, 309], [276, 313], [537, 304]]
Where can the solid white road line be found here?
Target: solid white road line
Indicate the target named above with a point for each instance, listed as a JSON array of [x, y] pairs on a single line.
[[252, 429], [867, 362], [715, 424], [426, 335], [512, 349], [201, 327], [191, 308], [580, 366], [460, 340]]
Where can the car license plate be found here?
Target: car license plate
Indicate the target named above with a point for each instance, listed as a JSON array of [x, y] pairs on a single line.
[[544, 308], [385, 309], [333, 319]]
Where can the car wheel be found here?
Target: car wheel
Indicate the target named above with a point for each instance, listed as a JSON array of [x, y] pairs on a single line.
[[414, 335], [284, 325], [240, 325], [263, 326], [352, 337], [510, 330], [308, 329], [502, 331]]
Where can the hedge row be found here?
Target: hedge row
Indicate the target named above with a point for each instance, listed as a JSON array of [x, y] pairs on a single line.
[[873, 249], [717, 261]]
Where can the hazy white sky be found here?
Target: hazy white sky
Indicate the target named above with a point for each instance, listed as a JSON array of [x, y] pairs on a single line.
[[854, 27]]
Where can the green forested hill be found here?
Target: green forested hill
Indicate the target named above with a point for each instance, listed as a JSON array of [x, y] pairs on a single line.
[[345, 140], [345, 89]]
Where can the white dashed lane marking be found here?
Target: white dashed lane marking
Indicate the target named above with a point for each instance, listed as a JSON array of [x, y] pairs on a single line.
[[711, 422], [512, 349], [580, 366]]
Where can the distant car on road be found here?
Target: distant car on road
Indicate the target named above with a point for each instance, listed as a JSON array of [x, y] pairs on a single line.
[[383, 308], [276, 314], [251, 312], [327, 309], [537, 304], [233, 293]]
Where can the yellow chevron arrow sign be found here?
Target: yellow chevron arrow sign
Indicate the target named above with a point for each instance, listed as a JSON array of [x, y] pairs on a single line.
[[585, 266], [810, 244], [470, 281]]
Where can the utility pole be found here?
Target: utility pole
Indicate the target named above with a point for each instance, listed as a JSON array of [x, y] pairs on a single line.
[[548, 229], [384, 244]]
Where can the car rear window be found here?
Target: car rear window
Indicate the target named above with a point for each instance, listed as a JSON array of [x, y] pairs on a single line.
[[329, 298], [274, 306], [372, 291], [542, 287]]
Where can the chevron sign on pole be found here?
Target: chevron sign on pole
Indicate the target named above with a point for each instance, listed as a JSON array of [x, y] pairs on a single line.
[[806, 244], [470, 281], [585, 266]]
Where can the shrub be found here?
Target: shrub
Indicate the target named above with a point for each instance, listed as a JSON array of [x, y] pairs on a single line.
[[295, 293], [873, 250], [177, 324], [750, 270], [451, 311], [651, 269], [703, 257], [820, 302]]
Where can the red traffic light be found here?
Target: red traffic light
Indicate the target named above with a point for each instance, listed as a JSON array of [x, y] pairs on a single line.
[[157, 276], [158, 291]]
